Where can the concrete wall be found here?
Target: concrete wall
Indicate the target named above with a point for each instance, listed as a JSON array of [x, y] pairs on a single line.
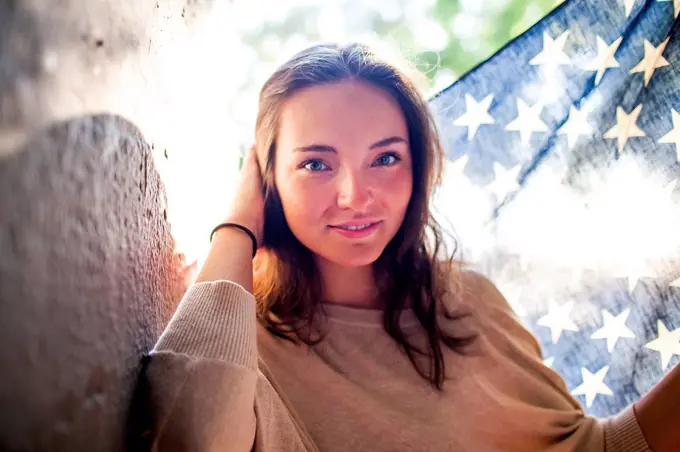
[[89, 273]]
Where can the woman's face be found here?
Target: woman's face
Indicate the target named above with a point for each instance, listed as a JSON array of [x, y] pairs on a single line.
[[343, 170]]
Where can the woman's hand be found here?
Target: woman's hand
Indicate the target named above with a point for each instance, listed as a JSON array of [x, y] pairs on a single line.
[[248, 205], [230, 255]]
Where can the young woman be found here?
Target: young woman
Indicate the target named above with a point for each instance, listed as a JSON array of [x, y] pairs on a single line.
[[350, 331]]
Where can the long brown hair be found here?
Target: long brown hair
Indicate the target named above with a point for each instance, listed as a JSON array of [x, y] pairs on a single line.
[[287, 283]]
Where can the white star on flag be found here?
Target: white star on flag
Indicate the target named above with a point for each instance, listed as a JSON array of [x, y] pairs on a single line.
[[548, 362], [668, 343], [557, 319], [593, 384], [614, 328], [575, 126], [676, 7], [653, 60], [505, 180], [673, 137], [475, 115], [528, 121], [625, 127], [552, 54], [628, 4], [633, 273], [633, 281], [604, 59]]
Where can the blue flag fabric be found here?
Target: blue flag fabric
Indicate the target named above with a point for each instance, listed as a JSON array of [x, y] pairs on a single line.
[[562, 185]]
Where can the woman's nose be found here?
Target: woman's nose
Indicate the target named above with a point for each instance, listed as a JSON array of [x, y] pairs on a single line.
[[354, 192]]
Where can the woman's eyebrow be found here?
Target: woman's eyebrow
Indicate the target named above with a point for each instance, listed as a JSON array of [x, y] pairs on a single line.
[[315, 148], [326, 148], [388, 141]]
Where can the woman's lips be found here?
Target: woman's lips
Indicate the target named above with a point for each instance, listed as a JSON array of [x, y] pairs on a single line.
[[356, 230]]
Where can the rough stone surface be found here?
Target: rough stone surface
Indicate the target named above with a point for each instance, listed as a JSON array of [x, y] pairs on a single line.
[[88, 270], [88, 279]]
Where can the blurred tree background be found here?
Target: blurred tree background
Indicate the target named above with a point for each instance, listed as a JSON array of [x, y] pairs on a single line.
[[442, 38]]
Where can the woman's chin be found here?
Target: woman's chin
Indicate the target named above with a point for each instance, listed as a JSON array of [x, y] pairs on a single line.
[[351, 258]]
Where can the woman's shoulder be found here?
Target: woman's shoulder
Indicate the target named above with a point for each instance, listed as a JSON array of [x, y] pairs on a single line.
[[474, 291], [479, 297]]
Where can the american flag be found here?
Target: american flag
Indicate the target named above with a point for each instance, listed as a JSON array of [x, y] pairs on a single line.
[[563, 186]]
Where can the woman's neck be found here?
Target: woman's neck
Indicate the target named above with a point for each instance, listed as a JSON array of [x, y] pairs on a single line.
[[348, 286]]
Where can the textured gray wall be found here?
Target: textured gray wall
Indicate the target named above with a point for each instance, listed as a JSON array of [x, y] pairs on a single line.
[[87, 281], [88, 272]]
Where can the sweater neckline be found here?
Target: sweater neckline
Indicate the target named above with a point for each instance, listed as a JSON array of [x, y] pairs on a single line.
[[364, 316]]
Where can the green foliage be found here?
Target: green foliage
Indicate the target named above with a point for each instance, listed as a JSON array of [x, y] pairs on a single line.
[[443, 38]]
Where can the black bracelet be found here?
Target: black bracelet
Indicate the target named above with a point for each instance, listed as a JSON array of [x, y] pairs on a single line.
[[237, 226]]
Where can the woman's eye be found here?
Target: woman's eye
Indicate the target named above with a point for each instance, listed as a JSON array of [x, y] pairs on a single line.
[[387, 159], [315, 165]]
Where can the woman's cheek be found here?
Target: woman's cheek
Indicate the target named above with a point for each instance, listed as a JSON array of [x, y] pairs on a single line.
[[311, 196], [397, 182]]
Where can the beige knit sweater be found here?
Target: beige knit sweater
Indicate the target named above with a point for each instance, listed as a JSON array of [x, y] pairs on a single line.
[[220, 382]]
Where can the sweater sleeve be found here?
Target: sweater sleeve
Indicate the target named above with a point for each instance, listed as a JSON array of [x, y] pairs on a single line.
[[205, 388], [621, 433]]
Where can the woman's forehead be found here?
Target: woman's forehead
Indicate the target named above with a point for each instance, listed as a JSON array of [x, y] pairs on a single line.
[[349, 112]]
